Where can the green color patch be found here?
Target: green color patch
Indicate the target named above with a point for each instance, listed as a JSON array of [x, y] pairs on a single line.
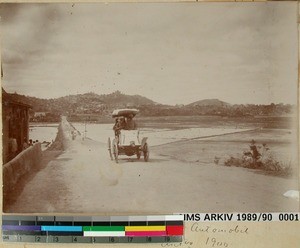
[[104, 228]]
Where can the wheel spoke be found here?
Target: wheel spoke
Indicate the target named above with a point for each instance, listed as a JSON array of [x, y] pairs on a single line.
[[146, 152], [109, 148]]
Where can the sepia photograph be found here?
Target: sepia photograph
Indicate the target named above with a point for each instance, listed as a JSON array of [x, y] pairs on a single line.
[[156, 108]]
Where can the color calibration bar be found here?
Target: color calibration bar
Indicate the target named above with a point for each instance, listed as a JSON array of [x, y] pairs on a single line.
[[96, 229]]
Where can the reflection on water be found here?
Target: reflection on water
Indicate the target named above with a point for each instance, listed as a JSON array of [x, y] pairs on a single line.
[[43, 133]]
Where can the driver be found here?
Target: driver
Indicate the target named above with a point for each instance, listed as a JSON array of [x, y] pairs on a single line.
[[130, 123]]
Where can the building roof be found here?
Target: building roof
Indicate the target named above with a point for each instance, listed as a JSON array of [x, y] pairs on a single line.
[[10, 98]]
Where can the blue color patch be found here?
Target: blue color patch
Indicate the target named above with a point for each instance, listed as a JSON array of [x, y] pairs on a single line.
[[61, 228]]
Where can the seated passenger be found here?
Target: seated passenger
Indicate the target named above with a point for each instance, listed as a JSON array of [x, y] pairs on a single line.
[[120, 124], [130, 123]]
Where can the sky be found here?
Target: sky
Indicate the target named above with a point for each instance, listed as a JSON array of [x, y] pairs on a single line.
[[172, 53]]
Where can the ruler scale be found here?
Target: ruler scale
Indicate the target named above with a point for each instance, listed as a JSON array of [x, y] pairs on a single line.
[[92, 229]]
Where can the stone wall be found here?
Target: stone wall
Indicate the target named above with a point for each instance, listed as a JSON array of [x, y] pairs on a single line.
[[21, 165]]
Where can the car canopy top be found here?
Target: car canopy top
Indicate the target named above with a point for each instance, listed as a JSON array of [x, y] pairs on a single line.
[[124, 112]]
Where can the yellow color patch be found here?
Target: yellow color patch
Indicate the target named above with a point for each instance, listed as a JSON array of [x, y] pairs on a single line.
[[144, 228]]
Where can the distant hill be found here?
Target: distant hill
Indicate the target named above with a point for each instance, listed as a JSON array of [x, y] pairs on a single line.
[[91, 105], [209, 102], [84, 103], [117, 98]]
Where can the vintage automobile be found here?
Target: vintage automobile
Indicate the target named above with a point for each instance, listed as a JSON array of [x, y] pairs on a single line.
[[127, 142]]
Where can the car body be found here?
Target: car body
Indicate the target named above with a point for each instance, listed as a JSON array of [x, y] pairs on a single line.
[[127, 142]]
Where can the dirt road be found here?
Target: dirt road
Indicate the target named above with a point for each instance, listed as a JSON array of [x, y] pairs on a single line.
[[84, 179]]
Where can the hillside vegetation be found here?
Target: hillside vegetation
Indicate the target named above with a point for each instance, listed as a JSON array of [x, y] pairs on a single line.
[[89, 105]]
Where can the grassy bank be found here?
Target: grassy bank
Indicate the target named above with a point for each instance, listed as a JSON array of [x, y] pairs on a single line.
[[216, 151]]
